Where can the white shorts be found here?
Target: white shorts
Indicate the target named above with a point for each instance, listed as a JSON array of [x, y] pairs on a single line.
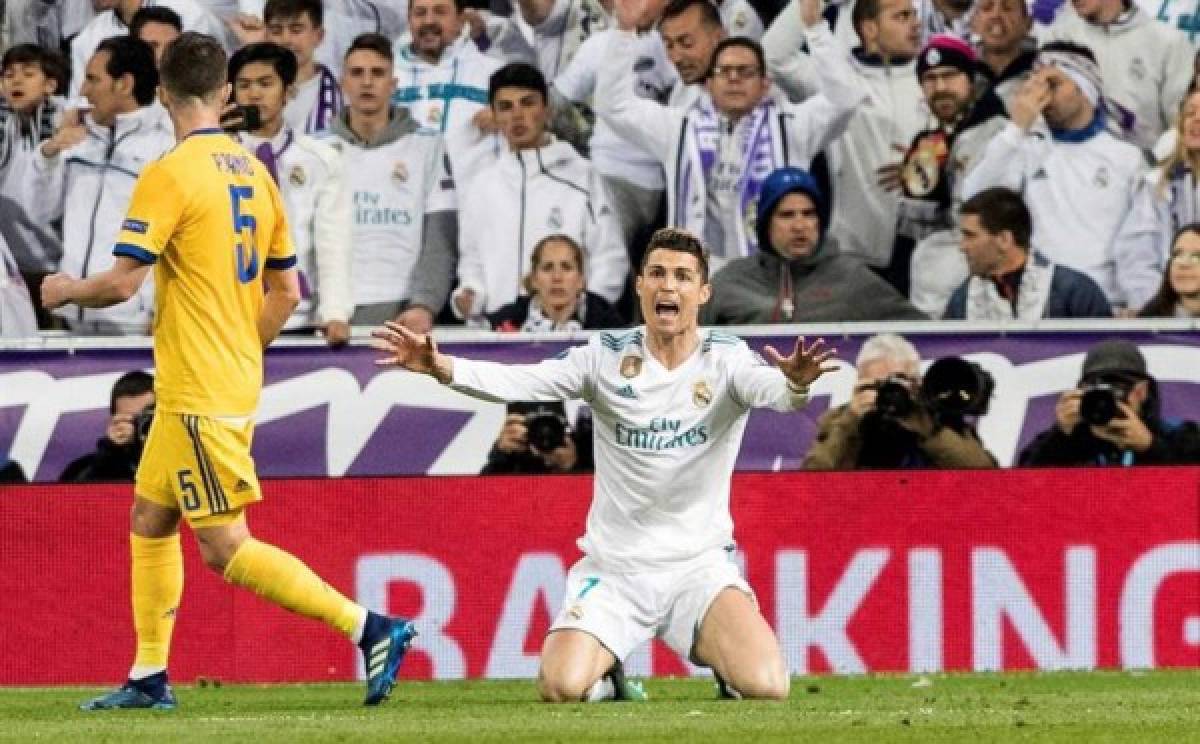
[[624, 610]]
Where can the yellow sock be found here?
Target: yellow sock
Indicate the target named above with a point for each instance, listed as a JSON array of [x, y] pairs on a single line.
[[157, 585], [283, 579]]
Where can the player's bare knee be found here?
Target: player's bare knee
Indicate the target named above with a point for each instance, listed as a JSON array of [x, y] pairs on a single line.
[[147, 519], [764, 683], [562, 686]]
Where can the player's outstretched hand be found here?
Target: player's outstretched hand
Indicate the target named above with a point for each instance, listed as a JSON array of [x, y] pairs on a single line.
[[415, 352], [804, 365]]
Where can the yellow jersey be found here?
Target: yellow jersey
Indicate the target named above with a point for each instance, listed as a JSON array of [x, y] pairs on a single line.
[[209, 217]]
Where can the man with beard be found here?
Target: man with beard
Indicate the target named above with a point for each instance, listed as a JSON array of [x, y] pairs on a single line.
[[443, 77], [1146, 65], [873, 431], [798, 275], [1077, 178], [968, 114]]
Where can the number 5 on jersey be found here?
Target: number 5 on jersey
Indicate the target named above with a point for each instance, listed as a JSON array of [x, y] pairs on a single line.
[[247, 269]]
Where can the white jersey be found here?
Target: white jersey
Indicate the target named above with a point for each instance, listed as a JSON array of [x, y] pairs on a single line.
[[559, 37], [665, 440], [447, 95], [16, 309], [392, 187], [316, 103]]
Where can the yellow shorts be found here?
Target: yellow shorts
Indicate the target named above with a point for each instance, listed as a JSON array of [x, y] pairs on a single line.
[[199, 465]]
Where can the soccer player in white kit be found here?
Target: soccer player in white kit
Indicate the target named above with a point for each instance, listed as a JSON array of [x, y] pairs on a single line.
[[669, 404]]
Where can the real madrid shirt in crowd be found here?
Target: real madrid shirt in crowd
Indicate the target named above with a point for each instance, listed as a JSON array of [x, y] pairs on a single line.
[[393, 183], [310, 180], [665, 440], [740, 19], [560, 36], [445, 95]]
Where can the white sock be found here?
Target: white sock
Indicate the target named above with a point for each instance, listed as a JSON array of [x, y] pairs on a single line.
[[359, 626], [141, 672], [602, 690]]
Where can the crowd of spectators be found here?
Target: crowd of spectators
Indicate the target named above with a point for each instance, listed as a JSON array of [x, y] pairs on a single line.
[[961, 160], [500, 165]]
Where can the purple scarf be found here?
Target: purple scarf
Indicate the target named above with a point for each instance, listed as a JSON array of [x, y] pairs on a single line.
[[758, 158], [329, 102]]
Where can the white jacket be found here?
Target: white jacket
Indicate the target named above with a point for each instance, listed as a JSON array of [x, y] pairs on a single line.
[[1146, 65], [518, 200], [1143, 245], [797, 132], [1078, 191], [447, 95], [96, 178], [17, 319], [864, 214], [195, 17], [318, 212]]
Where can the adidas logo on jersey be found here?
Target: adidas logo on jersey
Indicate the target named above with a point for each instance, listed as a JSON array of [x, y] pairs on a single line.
[[241, 486], [626, 391]]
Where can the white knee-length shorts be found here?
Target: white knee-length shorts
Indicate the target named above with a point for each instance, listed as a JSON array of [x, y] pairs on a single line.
[[624, 610]]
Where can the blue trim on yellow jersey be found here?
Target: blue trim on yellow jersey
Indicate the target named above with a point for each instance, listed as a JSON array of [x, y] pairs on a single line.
[[135, 252], [279, 264], [206, 130]]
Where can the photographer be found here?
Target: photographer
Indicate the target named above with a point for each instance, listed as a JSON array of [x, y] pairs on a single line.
[[130, 409], [896, 421], [1113, 418], [536, 439]]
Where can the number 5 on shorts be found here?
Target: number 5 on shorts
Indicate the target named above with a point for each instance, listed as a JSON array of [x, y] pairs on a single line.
[[191, 495]]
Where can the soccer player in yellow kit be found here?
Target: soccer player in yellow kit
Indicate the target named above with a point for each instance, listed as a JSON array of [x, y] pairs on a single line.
[[209, 219]]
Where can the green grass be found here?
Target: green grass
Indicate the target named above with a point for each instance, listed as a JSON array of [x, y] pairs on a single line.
[[1066, 707]]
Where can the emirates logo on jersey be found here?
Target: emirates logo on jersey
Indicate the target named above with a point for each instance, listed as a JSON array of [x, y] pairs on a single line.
[[631, 366], [702, 394]]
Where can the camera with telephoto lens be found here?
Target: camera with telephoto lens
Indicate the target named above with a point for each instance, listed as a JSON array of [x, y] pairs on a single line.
[[951, 388], [545, 424], [1098, 404], [141, 424]]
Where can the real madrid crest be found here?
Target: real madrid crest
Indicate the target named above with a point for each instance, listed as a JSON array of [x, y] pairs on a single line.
[[296, 176], [631, 366], [555, 220], [933, 57], [1101, 178], [739, 20], [702, 394], [575, 612], [400, 173]]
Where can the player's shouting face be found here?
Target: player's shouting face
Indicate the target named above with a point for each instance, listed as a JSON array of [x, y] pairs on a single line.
[[671, 287]]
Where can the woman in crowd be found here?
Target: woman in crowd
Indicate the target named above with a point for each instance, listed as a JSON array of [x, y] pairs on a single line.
[[1167, 200], [1179, 295], [557, 298]]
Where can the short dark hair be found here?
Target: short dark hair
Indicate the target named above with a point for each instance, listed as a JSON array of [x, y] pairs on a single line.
[[865, 10], [193, 66], [128, 385], [52, 64], [517, 75], [674, 239], [130, 56], [739, 41], [708, 11], [1070, 47], [155, 14], [314, 9], [372, 42], [1000, 209], [281, 59]]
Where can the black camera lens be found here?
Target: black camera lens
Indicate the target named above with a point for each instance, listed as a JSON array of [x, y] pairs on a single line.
[[545, 431], [893, 399], [1098, 405]]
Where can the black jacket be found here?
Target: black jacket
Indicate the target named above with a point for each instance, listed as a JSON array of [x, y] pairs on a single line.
[[1175, 443], [110, 462]]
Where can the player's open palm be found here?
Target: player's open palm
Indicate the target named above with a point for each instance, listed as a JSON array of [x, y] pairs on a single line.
[[805, 364], [415, 352]]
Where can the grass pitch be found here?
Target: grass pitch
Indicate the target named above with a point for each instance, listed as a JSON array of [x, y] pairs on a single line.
[[1074, 707]]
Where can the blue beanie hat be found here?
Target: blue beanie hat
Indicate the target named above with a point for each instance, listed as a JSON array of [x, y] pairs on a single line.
[[780, 183]]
